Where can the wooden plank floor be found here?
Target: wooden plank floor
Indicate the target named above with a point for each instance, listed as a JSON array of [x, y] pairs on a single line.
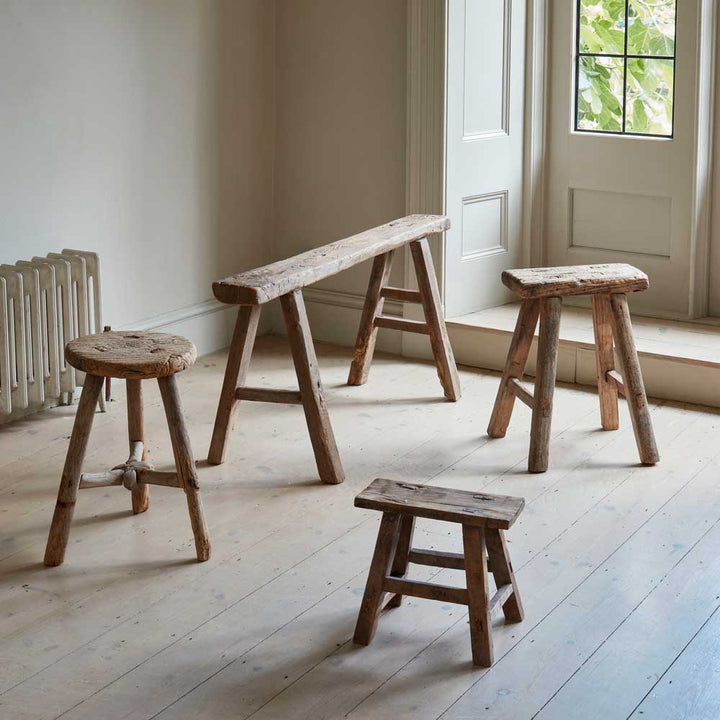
[[618, 564]]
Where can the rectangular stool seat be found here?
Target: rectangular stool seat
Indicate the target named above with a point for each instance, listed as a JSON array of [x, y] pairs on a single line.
[[462, 506], [575, 280]]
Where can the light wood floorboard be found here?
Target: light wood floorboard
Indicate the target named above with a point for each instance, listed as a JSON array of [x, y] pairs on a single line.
[[616, 562]]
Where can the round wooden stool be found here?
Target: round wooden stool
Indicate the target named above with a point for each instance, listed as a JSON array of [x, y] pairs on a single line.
[[132, 356], [542, 290]]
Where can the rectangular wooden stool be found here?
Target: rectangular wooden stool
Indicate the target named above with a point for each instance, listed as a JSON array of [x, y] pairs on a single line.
[[284, 280], [483, 518]]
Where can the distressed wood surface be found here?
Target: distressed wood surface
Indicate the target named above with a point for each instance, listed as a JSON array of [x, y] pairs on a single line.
[[605, 361], [470, 508], [131, 354], [514, 367], [312, 396], [185, 463], [634, 388], [70, 481], [402, 554], [575, 280], [258, 286], [550, 309], [476, 574], [502, 570], [136, 433]]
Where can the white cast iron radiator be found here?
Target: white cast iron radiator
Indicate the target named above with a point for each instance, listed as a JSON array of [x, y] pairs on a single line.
[[44, 303]]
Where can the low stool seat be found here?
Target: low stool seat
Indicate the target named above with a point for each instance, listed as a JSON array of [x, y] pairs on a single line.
[[483, 517], [131, 355], [575, 280]]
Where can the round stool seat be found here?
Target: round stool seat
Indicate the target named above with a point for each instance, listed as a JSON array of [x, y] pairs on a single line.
[[131, 355]]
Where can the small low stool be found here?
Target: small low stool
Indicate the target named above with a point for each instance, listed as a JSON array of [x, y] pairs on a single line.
[[134, 357], [484, 518], [542, 290]]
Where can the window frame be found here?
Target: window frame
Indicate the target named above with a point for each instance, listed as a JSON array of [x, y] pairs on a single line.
[[624, 56]]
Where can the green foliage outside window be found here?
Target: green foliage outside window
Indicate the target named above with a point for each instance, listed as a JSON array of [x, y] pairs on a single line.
[[626, 66]]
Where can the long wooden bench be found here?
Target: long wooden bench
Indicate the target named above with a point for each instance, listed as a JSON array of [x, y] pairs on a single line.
[[285, 279]]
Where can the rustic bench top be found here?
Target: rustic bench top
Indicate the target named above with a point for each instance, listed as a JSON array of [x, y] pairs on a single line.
[[469, 508], [260, 285], [575, 280]]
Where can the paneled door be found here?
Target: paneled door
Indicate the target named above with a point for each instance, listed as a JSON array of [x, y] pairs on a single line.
[[623, 134], [484, 149]]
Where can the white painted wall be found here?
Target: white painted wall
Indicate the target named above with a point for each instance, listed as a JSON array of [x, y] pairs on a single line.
[[141, 129], [339, 140]]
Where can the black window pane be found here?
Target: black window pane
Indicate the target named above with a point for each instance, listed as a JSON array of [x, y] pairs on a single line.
[[651, 29], [602, 26], [649, 96]]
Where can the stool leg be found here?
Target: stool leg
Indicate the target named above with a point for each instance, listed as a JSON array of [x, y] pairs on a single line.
[[367, 333], [633, 381], [605, 357], [435, 319], [311, 391], [136, 433], [70, 482], [514, 367], [550, 309], [237, 367], [402, 553], [185, 463], [382, 558], [478, 598], [502, 570]]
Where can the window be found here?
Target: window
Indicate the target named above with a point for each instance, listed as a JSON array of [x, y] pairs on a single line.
[[625, 67]]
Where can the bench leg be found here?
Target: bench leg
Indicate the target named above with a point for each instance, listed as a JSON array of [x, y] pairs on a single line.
[[311, 392], [367, 334], [550, 309], [478, 599], [235, 372], [502, 570], [402, 553], [605, 357], [70, 482], [435, 319], [514, 367], [633, 381], [141, 491], [185, 463], [382, 558]]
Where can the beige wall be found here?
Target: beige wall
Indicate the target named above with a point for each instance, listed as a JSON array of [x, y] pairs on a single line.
[[141, 129], [185, 140], [340, 133]]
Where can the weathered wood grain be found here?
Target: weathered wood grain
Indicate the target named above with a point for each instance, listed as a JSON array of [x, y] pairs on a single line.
[[469, 508], [550, 309], [435, 319], [129, 354], [514, 367], [476, 574], [379, 568], [605, 361], [70, 481], [266, 283], [136, 433], [575, 280], [502, 570], [235, 373], [402, 554], [633, 380], [322, 437]]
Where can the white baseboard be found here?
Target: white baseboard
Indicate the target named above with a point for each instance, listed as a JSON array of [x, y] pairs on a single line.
[[209, 324]]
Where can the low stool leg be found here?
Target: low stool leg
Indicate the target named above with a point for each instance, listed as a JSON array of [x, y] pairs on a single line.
[[633, 380], [550, 309], [514, 367], [382, 558], [70, 482], [476, 573], [136, 433], [402, 553], [501, 568], [367, 333], [605, 360], [185, 463]]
